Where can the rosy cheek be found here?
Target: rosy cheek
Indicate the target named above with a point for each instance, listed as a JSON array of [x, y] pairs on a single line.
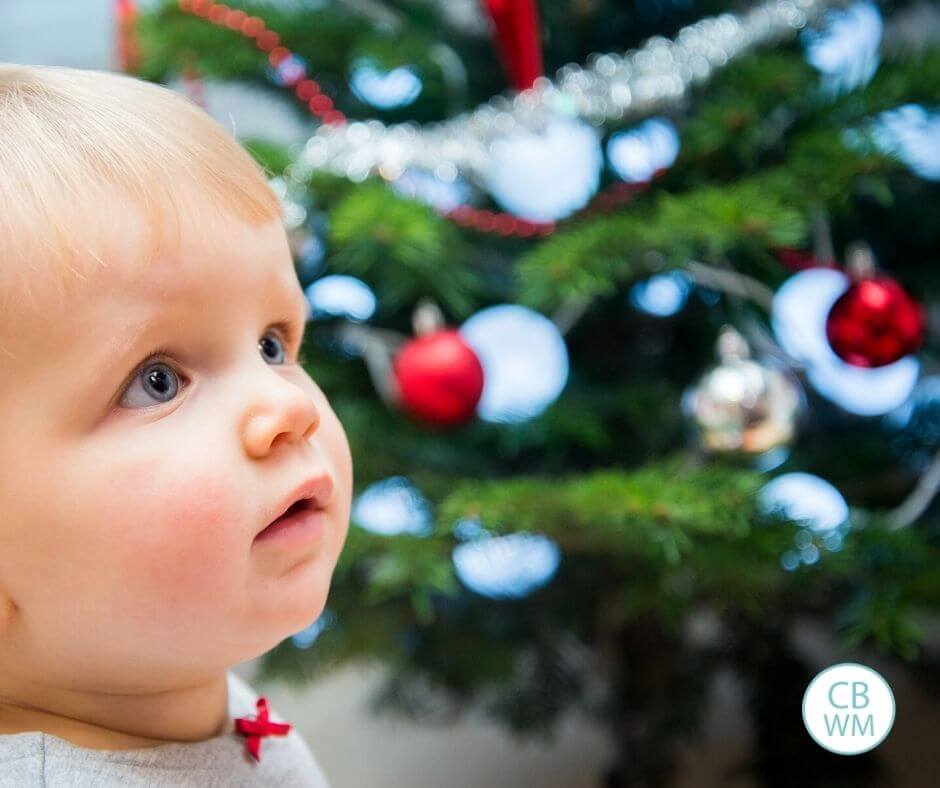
[[185, 538]]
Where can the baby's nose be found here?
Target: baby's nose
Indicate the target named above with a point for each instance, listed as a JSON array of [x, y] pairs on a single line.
[[278, 412]]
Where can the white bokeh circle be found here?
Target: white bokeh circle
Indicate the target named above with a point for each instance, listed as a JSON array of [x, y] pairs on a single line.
[[524, 358]]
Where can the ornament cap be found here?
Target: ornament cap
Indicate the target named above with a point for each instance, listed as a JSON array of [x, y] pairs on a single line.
[[427, 318], [860, 261], [731, 345]]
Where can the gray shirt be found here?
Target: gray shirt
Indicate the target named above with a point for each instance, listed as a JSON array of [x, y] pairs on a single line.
[[41, 759]]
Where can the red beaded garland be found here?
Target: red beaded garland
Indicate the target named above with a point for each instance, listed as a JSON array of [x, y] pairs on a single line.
[[308, 91]]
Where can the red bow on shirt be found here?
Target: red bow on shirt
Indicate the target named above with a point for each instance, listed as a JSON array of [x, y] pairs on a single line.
[[262, 726]]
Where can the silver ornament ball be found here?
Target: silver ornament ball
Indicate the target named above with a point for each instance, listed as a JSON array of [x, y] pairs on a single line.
[[742, 405]]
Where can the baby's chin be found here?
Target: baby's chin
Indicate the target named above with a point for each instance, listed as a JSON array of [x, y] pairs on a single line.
[[302, 600]]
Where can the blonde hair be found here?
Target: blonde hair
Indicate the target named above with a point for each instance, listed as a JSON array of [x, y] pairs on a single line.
[[68, 137]]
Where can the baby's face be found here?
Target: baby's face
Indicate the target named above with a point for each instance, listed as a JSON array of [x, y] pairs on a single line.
[[131, 489]]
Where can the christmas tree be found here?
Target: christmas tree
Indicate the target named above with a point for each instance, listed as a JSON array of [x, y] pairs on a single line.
[[624, 307]]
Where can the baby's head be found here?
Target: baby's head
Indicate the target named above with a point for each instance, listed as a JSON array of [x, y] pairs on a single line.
[[153, 417]]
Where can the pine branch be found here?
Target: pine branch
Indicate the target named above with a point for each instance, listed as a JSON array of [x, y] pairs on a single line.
[[593, 258], [401, 247], [658, 509]]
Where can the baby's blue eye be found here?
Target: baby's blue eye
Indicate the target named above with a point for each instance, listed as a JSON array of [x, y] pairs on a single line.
[[161, 383], [267, 346], [156, 380]]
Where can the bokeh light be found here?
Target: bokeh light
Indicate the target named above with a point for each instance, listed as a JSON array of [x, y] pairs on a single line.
[[391, 89], [913, 135], [392, 506], [804, 498], [845, 50], [637, 155], [341, 295], [661, 295], [503, 567], [545, 177], [524, 358]]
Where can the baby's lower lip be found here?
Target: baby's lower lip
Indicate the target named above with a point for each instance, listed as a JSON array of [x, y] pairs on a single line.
[[294, 529]]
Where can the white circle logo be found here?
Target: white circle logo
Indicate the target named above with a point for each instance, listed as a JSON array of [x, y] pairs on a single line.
[[848, 708]]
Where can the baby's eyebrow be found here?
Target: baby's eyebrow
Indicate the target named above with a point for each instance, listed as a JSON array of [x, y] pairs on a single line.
[[294, 295], [296, 300], [122, 344], [121, 347]]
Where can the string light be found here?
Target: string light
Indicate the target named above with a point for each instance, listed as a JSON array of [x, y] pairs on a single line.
[[610, 88]]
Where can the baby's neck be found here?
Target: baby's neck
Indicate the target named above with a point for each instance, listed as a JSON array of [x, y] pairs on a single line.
[[79, 733], [124, 722]]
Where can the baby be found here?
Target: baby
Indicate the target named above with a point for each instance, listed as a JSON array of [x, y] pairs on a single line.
[[155, 422]]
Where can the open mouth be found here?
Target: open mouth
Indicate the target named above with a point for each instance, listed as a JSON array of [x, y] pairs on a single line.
[[302, 521], [304, 518], [298, 506], [303, 503]]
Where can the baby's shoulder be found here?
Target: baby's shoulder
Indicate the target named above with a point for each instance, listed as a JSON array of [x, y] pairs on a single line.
[[39, 759], [287, 758]]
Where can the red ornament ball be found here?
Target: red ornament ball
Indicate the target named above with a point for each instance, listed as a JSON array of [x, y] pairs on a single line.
[[875, 322], [440, 378]]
